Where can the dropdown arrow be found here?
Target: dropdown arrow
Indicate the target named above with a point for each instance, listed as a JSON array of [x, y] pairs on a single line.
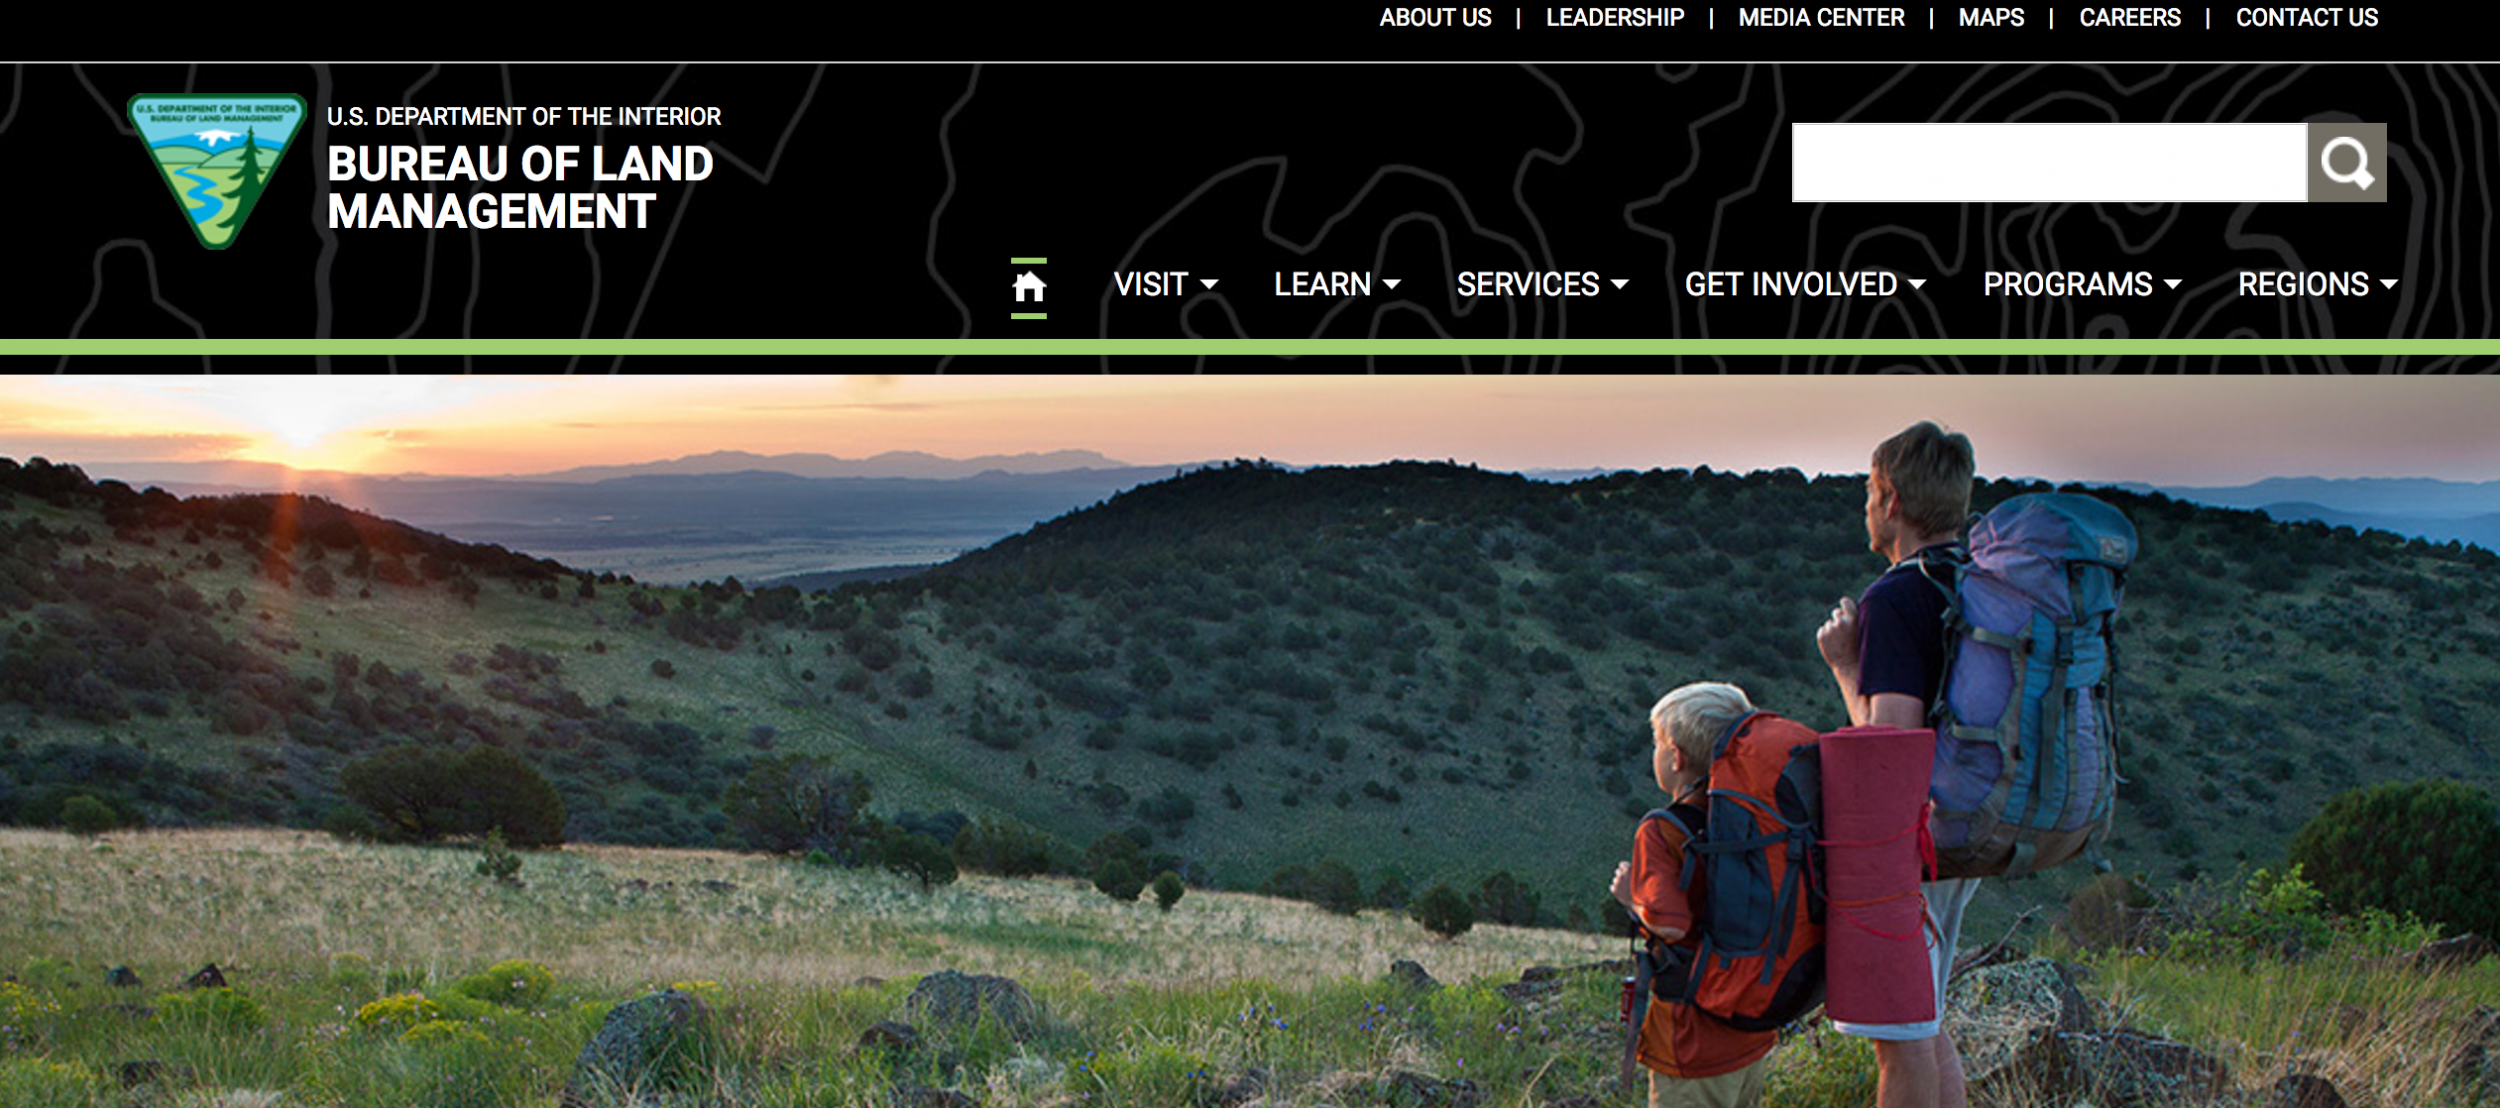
[[2390, 282], [1392, 282], [2173, 282], [1918, 282], [1620, 281], [1209, 281]]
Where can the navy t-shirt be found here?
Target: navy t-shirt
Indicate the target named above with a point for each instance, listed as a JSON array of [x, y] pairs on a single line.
[[1901, 628]]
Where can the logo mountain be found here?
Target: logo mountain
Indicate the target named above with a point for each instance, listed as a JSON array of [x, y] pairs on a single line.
[[216, 152]]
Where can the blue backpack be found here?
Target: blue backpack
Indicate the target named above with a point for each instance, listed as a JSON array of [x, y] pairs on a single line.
[[2026, 742]]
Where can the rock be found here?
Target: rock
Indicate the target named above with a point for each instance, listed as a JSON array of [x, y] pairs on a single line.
[[121, 977], [1521, 992], [1403, 1088], [2446, 954], [889, 1035], [1033, 1073], [2006, 1020], [2126, 1068], [1406, 1088], [2301, 1090], [922, 1096], [2473, 1066], [1249, 1086], [1539, 973], [959, 1000], [207, 978], [1411, 975], [149, 1071], [645, 1043]]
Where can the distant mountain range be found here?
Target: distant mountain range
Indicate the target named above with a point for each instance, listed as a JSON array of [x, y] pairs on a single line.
[[892, 463], [710, 516], [2416, 507], [265, 476], [766, 517]]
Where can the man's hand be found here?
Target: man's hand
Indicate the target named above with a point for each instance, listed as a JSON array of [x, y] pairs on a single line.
[[1623, 884], [1838, 639]]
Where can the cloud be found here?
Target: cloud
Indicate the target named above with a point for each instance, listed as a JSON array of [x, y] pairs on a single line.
[[76, 447], [847, 406]]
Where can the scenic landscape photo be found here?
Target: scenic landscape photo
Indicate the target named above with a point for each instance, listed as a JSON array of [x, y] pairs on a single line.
[[1038, 741]]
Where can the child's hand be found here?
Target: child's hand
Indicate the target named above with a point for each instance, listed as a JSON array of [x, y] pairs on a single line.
[[1623, 883]]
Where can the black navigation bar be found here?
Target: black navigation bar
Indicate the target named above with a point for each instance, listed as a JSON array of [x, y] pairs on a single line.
[[1339, 32]]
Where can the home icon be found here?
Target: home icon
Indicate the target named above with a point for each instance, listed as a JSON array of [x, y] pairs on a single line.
[[1028, 282]]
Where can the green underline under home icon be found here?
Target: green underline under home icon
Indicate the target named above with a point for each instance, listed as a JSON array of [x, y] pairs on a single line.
[[1028, 286]]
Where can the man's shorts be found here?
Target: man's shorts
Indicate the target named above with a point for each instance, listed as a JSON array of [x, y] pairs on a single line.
[[1946, 901], [1737, 1089]]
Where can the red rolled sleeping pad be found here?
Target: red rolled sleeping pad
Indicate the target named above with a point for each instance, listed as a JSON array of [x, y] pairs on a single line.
[[1875, 844]]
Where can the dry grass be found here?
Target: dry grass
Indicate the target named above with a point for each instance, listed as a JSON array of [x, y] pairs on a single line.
[[2383, 1033], [166, 901]]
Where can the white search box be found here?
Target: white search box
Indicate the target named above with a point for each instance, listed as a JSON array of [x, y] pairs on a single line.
[[2066, 163]]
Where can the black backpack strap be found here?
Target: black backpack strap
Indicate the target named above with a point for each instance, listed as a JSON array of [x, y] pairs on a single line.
[[1692, 821], [1718, 749]]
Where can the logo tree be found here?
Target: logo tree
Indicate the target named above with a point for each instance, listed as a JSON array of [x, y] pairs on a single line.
[[251, 177]]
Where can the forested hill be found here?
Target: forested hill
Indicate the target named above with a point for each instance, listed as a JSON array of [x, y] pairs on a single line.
[[1424, 672]]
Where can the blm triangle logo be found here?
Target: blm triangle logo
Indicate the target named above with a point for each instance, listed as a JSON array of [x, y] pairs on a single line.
[[216, 152]]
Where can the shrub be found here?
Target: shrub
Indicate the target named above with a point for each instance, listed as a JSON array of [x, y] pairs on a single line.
[[2273, 914], [498, 861], [1121, 877], [399, 1012], [920, 857], [40, 1083], [2427, 848], [1333, 886], [1006, 848], [2107, 912], [796, 802], [218, 1009], [85, 815], [444, 1033], [1391, 892], [350, 973], [663, 669], [513, 984], [1444, 912], [1168, 889], [24, 1015], [1171, 807], [351, 824], [1503, 898], [424, 793]]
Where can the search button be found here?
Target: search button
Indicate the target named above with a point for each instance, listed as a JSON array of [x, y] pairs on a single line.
[[2347, 163]]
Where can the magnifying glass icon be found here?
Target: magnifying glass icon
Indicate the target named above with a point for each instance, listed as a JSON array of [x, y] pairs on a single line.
[[2360, 174]]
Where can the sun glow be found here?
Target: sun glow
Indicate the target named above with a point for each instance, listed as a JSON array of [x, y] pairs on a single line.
[[316, 423]]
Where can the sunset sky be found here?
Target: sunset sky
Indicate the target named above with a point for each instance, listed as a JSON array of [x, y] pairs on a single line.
[[2198, 430]]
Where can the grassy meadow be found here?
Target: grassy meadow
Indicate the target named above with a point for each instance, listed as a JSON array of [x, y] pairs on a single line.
[[1142, 1007]]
